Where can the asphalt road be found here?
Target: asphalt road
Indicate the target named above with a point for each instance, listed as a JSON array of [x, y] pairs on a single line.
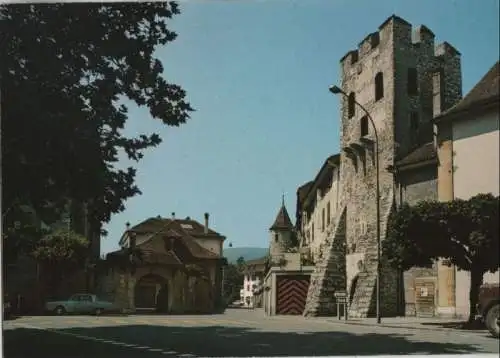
[[235, 333]]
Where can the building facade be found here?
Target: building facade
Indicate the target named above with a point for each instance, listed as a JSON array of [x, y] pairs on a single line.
[[468, 142], [317, 204], [401, 78], [170, 265], [252, 282]]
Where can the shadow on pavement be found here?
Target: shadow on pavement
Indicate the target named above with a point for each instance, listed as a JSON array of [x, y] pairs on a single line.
[[472, 326], [212, 341]]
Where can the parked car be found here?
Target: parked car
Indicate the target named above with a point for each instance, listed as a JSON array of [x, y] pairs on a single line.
[[489, 307], [82, 304]]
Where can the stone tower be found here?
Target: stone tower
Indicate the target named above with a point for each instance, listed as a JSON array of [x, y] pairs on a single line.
[[282, 233], [403, 80]]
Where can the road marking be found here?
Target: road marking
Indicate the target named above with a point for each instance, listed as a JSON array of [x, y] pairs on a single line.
[[101, 340]]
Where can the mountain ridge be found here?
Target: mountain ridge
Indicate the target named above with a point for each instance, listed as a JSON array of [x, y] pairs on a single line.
[[248, 253]]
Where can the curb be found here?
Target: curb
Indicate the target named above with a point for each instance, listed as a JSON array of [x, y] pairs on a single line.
[[442, 329]]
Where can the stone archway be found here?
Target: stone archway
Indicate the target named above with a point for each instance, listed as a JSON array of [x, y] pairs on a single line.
[[146, 292]]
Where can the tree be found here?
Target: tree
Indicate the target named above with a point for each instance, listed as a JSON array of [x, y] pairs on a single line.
[[59, 253], [66, 71], [463, 232], [233, 280]]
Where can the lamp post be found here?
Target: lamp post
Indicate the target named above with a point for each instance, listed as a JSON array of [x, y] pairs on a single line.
[[337, 90]]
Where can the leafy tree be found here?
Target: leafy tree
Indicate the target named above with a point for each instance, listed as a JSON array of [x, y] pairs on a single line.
[[233, 280], [463, 232], [66, 70], [60, 252]]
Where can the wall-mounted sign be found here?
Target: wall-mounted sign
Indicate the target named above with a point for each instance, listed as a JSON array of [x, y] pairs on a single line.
[[424, 292]]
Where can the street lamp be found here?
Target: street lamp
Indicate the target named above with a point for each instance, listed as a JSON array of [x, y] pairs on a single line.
[[336, 90]]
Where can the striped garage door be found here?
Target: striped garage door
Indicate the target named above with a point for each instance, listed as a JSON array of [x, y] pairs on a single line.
[[291, 294]]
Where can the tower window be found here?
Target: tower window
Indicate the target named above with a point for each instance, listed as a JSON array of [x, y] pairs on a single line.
[[412, 81], [364, 126], [379, 86], [351, 103], [276, 237], [312, 232]]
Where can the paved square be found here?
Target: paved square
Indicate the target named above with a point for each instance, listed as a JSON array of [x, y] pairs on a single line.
[[235, 333]]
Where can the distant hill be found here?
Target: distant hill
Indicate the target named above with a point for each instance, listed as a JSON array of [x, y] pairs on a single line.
[[248, 253]]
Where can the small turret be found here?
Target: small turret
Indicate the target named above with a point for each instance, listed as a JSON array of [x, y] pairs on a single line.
[[282, 232]]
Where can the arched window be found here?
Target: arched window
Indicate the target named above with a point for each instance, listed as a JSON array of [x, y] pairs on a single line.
[[351, 103], [379, 86], [276, 237], [364, 126]]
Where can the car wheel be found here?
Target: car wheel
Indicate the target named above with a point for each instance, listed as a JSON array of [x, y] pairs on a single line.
[[98, 311], [59, 310], [493, 320]]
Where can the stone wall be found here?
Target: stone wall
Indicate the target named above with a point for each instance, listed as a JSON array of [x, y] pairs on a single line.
[[329, 274], [187, 293]]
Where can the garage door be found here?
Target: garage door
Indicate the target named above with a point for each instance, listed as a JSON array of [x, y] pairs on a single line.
[[291, 294]]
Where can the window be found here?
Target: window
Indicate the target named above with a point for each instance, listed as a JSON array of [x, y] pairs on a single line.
[[328, 213], [379, 86], [364, 126], [351, 103], [276, 237], [412, 81], [323, 219], [248, 287], [414, 126], [312, 232]]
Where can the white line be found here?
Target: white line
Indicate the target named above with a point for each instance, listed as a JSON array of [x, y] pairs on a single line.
[[101, 340]]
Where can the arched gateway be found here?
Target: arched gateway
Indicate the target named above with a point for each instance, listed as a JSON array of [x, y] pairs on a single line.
[[150, 292]]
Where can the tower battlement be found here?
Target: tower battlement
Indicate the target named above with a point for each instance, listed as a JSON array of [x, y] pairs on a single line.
[[395, 30]]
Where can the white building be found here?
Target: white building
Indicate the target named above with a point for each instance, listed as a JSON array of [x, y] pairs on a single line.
[[252, 280], [468, 142], [317, 205]]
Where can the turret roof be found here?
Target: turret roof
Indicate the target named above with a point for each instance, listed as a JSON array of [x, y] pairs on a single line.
[[282, 221]]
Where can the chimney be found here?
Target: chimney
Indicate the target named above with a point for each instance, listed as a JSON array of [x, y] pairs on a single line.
[[132, 237], [206, 223], [173, 216]]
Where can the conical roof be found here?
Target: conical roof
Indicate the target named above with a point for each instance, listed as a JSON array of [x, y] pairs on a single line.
[[282, 221]]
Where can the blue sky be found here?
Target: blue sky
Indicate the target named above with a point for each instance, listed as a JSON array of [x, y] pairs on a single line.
[[258, 73]]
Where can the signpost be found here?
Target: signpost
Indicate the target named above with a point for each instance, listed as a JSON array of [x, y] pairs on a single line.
[[341, 300]]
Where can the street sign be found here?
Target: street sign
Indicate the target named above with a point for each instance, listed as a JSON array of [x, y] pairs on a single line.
[[340, 294]]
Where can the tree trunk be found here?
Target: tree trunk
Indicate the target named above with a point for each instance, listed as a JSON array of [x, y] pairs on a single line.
[[476, 281]]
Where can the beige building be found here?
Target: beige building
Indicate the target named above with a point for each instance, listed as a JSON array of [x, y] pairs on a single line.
[[317, 204], [171, 265], [468, 150]]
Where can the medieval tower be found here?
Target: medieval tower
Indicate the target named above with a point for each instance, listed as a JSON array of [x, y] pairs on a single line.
[[402, 80]]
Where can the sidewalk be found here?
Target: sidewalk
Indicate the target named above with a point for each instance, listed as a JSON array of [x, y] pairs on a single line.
[[431, 323]]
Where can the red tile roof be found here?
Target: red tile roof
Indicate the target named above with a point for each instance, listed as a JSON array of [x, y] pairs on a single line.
[[192, 227]]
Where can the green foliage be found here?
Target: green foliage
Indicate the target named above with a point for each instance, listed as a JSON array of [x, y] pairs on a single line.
[[464, 232], [233, 280], [67, 70], [62, 248]]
